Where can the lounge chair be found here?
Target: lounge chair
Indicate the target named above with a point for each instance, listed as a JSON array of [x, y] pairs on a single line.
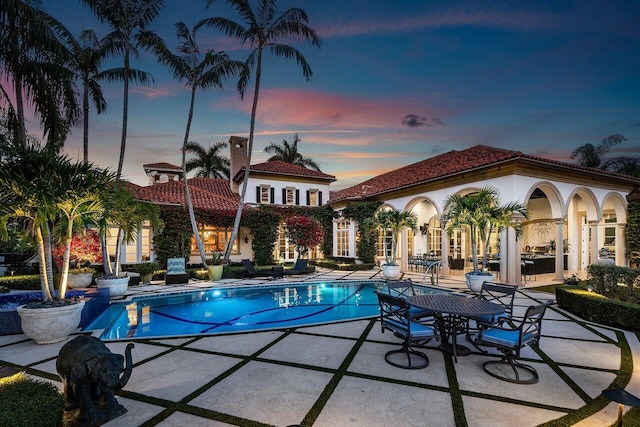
[[176, 272], [250, 271], [299, 268]]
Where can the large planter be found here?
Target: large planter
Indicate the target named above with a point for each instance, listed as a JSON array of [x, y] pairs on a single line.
[[475, 280], [51, 324], [79, 280], [117, 286], [215, 272], [391, 271]]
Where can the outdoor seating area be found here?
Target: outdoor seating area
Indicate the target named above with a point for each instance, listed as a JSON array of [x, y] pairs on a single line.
[[342, 377]]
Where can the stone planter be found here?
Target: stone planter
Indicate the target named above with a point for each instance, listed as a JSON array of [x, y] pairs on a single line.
[[79, 280], [51, 324], [146, 278], [391, 271], [475, 280], [117, 286], [215, 272]]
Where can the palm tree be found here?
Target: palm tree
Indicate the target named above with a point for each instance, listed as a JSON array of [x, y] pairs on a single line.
[[591, 156], [264, 29], [88, 53], [199, 72], [33, 59], [394, 221], [208, 163], [127, 19], [481, 212], [288, 152]]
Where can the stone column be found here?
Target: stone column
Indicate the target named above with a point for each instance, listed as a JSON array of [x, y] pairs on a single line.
[[444, 248], [404, 250], [559, 273], [595, 246]]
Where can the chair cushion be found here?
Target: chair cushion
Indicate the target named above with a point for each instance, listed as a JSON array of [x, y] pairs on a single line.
[[418, 330], [504, 338], [419, 312], [176, 266], [491, 319]]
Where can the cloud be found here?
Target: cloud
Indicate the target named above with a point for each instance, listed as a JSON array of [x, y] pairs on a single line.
[[152, 92], [413, 120]]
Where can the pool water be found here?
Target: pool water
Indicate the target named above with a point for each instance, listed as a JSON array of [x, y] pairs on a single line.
[[241, 309]]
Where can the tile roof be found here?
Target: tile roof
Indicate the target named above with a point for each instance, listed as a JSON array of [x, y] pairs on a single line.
[[284, 168], [207, 194], [444, 165], [161, 165]]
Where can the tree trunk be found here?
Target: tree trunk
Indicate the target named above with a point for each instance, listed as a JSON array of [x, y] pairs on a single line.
[[125, 108], [85, 125], [254, 108], [187, 194], [44, 282]]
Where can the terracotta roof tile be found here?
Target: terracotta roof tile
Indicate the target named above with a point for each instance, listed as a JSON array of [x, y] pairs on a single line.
[[206, 193], [284, 168], [441, 166]]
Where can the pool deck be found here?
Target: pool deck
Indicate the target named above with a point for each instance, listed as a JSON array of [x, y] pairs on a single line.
[[335, 375]]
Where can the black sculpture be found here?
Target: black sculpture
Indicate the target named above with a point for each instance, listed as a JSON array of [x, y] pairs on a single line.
[[90, 374]]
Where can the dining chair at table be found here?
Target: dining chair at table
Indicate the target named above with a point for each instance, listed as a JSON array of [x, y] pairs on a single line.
[[395, 317], [403, 289], [496, 293], [510, 341]]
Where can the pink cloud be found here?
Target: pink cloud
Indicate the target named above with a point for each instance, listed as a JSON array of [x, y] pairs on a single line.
[[153, 92], [305, 108]]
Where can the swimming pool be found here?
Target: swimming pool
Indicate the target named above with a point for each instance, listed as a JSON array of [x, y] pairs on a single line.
[[241, 309]]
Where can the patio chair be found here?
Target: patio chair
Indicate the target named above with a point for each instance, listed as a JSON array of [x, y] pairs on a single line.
[[176, 272], [456, 264], [250, 271], [394, 316], [496, 293], [299, 268], [404, 289], [510, 341]]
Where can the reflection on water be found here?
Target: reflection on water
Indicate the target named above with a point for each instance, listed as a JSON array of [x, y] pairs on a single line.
[[290, 296]]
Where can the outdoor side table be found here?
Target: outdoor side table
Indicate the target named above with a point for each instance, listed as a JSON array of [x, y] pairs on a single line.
[[456, 307]]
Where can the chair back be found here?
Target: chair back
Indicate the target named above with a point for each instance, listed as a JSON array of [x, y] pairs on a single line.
[[248, 265], [401, 288], [394, 313], [176, 266], [499, 293], [301, 264], [531, 327]]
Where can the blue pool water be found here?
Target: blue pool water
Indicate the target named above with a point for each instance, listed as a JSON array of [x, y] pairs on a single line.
[[240, 309]]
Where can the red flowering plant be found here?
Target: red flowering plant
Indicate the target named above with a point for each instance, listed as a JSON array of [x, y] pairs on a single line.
[[304, 232], [85, 250]]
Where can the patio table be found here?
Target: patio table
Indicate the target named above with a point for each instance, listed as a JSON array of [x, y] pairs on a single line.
[[457, 308]]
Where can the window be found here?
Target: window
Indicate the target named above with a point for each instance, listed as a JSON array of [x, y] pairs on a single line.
[[264, 194], [290, 192], [214, 239], [610, 232], [342, 238], [435, 236], [138, 250], [314, 197], [384, 238]]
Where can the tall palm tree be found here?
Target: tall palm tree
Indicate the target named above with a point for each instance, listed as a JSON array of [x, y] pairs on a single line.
[[264, 30], [208, 163], [33, 58], [288, 152], [127, 19], [198, 71], [88, 54], [592, 156]]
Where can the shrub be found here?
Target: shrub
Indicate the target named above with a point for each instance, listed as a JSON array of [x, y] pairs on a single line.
[[28, 402], [145, 268], [598, 308], [29, 282], [605, 280]]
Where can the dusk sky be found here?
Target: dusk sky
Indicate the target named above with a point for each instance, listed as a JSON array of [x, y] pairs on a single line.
[[395, 82]]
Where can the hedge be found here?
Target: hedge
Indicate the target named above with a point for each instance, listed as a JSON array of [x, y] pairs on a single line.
[[29, 282], [599, 309], [27, 402]]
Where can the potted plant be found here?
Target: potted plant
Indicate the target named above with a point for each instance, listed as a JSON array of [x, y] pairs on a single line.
[[52, 195], [482, 213], [214, 266], [392, 220], [146, 270], [80, 277], [85, 250], [123, 215]]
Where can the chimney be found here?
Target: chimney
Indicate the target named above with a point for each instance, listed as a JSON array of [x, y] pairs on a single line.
[[238, 149]]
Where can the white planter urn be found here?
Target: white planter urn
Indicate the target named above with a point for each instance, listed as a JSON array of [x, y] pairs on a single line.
[[475, 280], [50, 324], [117, 286], [79, 280], [391, 271]]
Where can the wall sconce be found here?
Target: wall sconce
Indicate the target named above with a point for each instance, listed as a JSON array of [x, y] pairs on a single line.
[[424, 228], [246, 238]]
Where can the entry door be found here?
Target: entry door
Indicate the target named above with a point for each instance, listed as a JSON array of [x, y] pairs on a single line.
[[456, 244]]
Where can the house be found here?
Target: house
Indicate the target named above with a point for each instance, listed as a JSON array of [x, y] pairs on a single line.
[[585, 208], [270, 183]]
